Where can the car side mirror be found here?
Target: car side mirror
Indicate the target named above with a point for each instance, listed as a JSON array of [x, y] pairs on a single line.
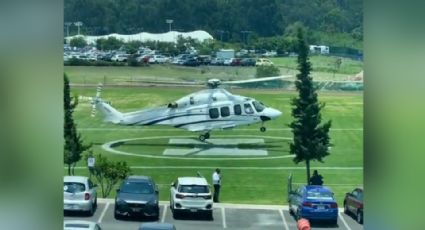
[[172, 184]]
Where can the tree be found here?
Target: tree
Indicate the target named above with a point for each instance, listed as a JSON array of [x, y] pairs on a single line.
[[311, 139], [109, 173], [79, 42], [73, 143]]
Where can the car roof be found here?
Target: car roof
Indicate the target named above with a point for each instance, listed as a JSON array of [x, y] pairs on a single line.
[[81, 179], [317, 187], [192, 181], [156, 226], [78, 224], [138, 178]]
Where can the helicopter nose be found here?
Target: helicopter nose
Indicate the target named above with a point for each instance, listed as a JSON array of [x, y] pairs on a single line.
[[270, 113]]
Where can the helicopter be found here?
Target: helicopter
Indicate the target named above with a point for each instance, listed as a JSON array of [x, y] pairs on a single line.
[[209, 109]]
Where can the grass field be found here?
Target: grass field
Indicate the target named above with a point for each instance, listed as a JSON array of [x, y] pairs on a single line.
[[257, 181], [323, 70]]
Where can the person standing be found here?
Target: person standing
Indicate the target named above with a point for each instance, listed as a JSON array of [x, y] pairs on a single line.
[[216, 178], [316, 179]]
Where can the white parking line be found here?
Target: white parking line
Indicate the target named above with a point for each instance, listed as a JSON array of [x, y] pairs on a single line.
[[103, 213], [223, 217], [343, 221], [164, 213], [283, 218]]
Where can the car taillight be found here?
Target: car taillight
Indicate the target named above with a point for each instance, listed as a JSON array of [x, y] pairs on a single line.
[[86, 196], [307, 204], [334, 205], [179, 196]]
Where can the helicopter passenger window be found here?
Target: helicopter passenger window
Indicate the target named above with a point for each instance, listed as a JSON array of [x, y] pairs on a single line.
[[214, 113], [258, 106], [237, 109], [248, 108], [225, 111]]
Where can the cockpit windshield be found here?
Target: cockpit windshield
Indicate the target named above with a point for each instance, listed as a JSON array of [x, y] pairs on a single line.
[[258, 106]]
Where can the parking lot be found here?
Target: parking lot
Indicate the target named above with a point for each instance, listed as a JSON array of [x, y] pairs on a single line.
[[226, 216]]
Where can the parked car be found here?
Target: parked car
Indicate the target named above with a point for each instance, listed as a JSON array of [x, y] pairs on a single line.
[[158, 59], [248, 62], [192, 61], [353, 204], [79, 194], [227, 61], [144, 58], [204, 59], [80, 225], [235, 62], [157, 226], [217, 61], [120, 57], [137, 196], [263, 62], [192, 195], [313, 202]]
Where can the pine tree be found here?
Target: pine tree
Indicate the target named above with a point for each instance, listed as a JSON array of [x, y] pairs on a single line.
[[73, 143], [311, 137]]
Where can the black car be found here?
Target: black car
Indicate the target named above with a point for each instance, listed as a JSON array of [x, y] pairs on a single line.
[[248, 62], [191, 62], [137, 196]]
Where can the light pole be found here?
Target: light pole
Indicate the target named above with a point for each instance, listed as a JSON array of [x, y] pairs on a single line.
[[78, 24], [67, 24], [169, 22]]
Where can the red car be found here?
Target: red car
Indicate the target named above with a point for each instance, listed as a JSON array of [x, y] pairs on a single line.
[[353, 204]]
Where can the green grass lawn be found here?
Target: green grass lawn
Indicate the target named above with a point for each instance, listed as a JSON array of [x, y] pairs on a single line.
[[261, 185], [322, 70]]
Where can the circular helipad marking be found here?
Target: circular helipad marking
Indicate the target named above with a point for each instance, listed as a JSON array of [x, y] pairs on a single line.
[[108, 147]]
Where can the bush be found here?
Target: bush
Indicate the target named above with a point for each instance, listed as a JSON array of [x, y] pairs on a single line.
[[80, 62], [133, 62], [267, 71]]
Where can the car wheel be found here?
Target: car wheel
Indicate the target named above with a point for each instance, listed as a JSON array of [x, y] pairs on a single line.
[[90, 212], [175, 214], [116, 216], [210, 215], [346, 208], [359, 217], [298, 215]]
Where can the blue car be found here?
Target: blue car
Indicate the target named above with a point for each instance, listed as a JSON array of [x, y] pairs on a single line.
[[313, 202]]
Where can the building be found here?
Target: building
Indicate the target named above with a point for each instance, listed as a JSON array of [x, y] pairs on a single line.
[[226, 54], [314, 49]]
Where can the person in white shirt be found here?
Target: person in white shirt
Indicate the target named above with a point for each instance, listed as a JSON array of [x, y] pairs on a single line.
[[216, 178]]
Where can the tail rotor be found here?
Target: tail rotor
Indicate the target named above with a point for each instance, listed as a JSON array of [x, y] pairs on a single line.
[[96, 100]]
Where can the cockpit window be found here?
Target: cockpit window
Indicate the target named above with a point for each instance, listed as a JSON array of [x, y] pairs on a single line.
[[258, 106]]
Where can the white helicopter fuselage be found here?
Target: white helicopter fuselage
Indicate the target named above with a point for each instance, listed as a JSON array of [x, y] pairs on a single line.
[[203, 111]]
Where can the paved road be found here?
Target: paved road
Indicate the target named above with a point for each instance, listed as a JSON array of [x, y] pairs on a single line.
[[226, 216]]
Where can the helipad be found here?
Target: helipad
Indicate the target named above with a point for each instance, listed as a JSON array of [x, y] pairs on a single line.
[[215, 147]]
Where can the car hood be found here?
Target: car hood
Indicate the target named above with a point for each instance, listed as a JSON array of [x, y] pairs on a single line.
[[136, 198]]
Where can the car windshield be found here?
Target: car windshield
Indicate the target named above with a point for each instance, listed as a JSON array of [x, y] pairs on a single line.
[[321, 195], [137, 187], [73, 187], [194, 189], [258, 106]]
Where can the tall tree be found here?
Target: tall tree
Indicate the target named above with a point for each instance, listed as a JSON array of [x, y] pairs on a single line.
[[73, 143], [311, 137]]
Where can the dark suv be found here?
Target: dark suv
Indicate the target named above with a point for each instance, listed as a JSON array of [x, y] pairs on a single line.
[[137, 196]]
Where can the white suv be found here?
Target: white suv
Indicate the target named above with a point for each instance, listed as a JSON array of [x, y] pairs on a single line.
[[191, 194], [79, 194]]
